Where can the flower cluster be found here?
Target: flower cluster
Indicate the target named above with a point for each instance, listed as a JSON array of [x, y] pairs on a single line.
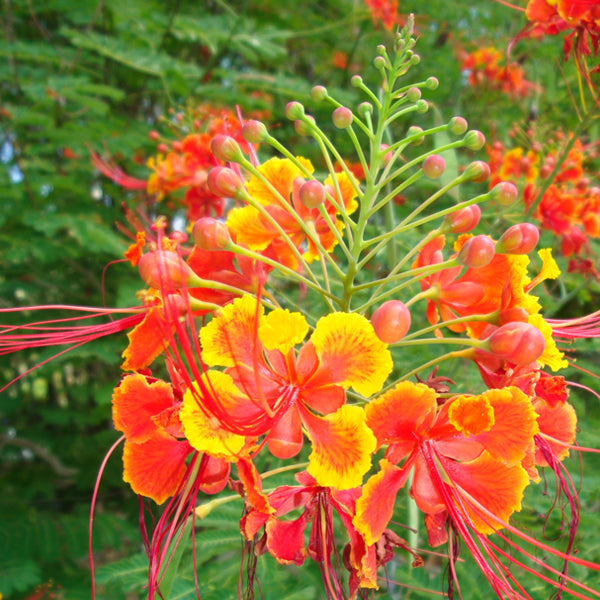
[[283, 336], [489, 68], [560, 190]]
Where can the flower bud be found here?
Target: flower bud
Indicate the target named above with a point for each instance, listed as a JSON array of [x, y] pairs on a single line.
[[302, 127], [210, 234], [342, 117], [422, 106], [364, 109], [413, 94], [415, 59], [391, 321], [504, 193], [356, 80], [379, 62], [517, 342], [223, 182], [174, 306], [388, 155], [457, 125], [474, 140], [434, 166], [521, 238], [153, 135], [254, 132], [414, 130], [478, 171], [476, 252], [225, 148], [312, 193], [294, 110], [164, 267], [318, 93], [463, 220], [432, 83]]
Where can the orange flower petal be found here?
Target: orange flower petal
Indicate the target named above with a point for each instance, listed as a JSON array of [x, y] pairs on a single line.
[[155, 468], [558, 426], [342, 447], [471, 415], [146, 340], [250, 228], [375, 506], [253, 487], [285, 539], [280, 173], [135, 402], [350, 354], [230, 338], [401, 414], [490, 483]]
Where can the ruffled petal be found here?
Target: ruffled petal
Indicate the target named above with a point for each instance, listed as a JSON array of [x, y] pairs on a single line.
[[375, 506], [135, 401], [282, 330], [230, 338], [350, 354], [250, 228], [285, 539], [558, 426], [280, 173], [342, 447], [155, 468], [401, 415], [471, 415]]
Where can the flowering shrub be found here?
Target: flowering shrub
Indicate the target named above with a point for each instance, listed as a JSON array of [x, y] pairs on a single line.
[[299, 326]]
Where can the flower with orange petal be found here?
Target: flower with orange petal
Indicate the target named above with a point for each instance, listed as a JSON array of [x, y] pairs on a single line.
[[270, 389]]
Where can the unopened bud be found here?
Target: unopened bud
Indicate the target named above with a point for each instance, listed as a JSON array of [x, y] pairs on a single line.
[[388, 155], [379, 62], [312, 193], [457, 125], [413, 94], [254, 132], [225, 148], [415, 59], [422, 106], [434, 166], [210, 234], [318, 93], [391, 321], [224, 182], [364, 109], [504, 193], [474, 140], [356, 80], [517, 342], [415, 130], [303, 127], [174, 306], [342, 117], [164, 268], [521, 238], [432, 83], [463, 220], [294, 110], [153, 135], [476, 252], [478, 171]]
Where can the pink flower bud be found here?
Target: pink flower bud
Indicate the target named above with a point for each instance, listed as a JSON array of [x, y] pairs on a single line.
[[318, 93], [413, 94], [303, 127], [174, 306], [294, 111], [463, 220], [434, 166], [391, 321], [432, 83], [478, 171], [517, 342], [225, 148], [422, 106], [342, 117], [521, 238], [356, 81], [457, 125], [388, 155], [476, 252], [224, 182], [379, 63], [364, 109], [312, 193], [153, 135], [210, 234], [162, 148], [504, 193], [254, 132], [474, 140], [164, 268]]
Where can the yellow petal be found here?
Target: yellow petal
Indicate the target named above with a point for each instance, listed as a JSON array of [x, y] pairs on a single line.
[[250, 228], [282, 330], [551, 356], [350, 354]]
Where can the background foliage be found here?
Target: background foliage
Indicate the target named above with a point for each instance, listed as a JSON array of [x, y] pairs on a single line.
[[101, 75]]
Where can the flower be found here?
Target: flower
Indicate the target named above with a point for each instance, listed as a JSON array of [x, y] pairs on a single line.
[[269, 389]]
